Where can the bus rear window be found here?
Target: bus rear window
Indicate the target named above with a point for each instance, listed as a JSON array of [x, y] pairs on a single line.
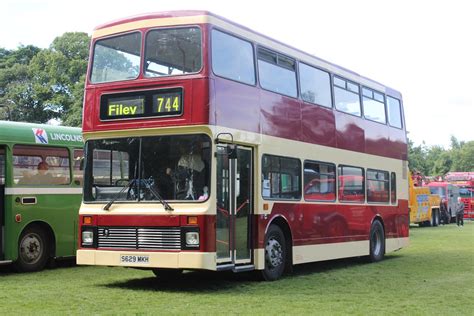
[[171, 52], [116, 58]]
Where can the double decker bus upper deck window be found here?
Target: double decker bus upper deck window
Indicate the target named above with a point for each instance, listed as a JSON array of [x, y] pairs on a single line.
[[116, 58], [394, 112], [173, 51]]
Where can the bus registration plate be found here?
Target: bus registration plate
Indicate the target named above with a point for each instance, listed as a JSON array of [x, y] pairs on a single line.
[[134, 259]]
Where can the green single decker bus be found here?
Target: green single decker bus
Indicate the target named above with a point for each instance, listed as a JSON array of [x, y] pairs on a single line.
[[40, 193]]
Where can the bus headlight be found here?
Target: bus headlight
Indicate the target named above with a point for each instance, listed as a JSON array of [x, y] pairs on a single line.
[[87, 238], [192, 239]]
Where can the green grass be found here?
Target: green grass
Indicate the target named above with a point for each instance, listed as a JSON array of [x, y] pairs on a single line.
[[435, 275]]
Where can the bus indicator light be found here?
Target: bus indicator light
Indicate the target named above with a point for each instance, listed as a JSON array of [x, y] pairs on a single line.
[[192, 220], [87, 220], [18, 218]]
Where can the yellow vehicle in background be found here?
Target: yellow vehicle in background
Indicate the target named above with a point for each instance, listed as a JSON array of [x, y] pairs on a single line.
[[424, 206]]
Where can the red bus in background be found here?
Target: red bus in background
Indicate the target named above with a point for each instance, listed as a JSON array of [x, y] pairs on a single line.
[[210, 146], [465, 182]]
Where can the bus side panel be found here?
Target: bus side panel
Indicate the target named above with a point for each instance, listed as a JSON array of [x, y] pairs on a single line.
[[58, 211], [312, 224], [235, 106]]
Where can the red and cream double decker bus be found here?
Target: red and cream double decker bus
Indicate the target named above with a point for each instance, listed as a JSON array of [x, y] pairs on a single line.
[[210, 146]]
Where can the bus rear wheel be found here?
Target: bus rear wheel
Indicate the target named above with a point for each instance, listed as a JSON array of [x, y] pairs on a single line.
[[32, 250], [377, 242], [275, 254], [435, 218]]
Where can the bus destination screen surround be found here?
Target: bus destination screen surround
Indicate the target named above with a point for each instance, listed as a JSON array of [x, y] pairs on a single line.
[[168, 102]]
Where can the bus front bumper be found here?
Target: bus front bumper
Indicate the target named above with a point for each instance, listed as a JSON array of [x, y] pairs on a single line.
[[172, 260]]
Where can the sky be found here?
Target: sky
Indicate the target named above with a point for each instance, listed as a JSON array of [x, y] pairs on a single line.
[[424, 49]]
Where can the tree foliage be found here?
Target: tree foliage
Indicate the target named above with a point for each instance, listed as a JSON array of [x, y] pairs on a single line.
[[43, 84], [436, 160]]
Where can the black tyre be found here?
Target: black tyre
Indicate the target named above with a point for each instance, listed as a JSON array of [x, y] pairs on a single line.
[[377, 242], [167, 274], [33, 250], [275, 254], [435, 216]]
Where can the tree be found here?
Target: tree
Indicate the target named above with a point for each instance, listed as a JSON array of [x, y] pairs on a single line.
[[463, 159], [15, 84], [438, 160], [417, 158], [44, 84]]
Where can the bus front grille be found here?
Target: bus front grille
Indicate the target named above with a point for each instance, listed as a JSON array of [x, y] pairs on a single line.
[[154, 238]]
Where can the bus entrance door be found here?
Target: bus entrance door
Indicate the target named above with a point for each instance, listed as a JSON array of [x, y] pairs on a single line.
[[2, 203], [234, 209]]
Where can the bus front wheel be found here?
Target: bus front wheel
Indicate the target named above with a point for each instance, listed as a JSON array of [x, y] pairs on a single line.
[[32, 250], [275, 254]]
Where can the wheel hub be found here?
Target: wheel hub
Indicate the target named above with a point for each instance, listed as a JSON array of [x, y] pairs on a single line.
[[274, 253], [30, 248]]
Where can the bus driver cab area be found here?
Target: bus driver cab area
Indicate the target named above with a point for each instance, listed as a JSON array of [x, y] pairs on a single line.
[[140, 169]]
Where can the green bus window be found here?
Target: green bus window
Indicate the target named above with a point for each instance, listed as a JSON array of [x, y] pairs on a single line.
[[40, 165]]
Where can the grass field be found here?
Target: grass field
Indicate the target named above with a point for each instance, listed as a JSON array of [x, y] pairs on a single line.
[[435, 275]]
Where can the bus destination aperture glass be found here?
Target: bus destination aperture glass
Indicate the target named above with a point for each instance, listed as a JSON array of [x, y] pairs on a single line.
[[119, 107], [142, 104]]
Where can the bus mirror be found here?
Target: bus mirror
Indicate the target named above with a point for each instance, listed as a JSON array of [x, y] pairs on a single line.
[[232, 151]]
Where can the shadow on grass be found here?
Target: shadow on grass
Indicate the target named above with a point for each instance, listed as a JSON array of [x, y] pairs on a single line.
[[209, 281], [334, 265], [189, 282], [62, 263]]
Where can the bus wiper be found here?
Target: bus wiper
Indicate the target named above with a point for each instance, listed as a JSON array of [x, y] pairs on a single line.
[[149, 186], [127, 186]]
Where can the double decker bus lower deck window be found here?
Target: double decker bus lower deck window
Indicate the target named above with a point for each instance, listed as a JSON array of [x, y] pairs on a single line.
[[177, 167]]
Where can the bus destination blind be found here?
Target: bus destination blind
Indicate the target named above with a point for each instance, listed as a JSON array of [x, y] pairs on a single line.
[[126, 106], [141, 104]]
